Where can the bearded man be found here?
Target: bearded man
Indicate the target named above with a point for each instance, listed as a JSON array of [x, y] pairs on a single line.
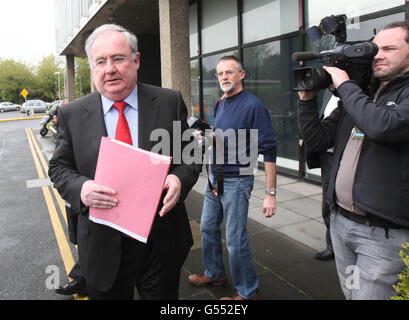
[[231, 181]]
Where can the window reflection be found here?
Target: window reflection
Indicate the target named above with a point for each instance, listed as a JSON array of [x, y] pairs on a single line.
[[269, 77], [219, 25], [193, 34], [318, 9], [268, 18]]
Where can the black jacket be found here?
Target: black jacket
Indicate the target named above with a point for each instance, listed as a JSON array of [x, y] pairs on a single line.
[[381, 183], [321, 159]]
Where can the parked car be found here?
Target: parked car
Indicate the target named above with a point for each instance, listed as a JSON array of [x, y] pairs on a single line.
[[54, 103], [34, 106], [8, 106]]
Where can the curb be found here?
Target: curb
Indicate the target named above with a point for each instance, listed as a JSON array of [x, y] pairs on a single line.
[[25, 118]]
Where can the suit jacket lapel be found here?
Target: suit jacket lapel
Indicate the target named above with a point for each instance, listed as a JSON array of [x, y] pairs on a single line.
[[94, 120], [148, 112]]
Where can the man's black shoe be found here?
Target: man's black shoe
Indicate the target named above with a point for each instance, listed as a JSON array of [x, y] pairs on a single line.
[[74, 287], [325, 255]]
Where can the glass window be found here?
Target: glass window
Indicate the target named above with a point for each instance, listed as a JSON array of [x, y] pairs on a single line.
[[365, 30], [211, 89], [193, 41], [194, 87], [219, 25], [262, 18], [269, 77], [318, 9]]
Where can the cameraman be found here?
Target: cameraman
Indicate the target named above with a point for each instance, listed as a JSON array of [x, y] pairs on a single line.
[[369, 180]]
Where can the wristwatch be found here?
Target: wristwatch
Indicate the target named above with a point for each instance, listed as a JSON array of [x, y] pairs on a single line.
[[271, 192]]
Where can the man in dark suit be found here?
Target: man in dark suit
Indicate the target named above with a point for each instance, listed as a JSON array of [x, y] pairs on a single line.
[[112, 263], [323, 160]]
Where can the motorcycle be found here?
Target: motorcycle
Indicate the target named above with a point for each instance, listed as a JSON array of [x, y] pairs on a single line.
[[49, 122]]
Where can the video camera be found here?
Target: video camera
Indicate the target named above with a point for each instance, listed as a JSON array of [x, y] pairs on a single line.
[[353, 57]]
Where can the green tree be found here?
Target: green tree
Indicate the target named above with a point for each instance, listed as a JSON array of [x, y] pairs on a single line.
[[46, 80], [82, 76], [41, 81], [402, 287], [14, 77]]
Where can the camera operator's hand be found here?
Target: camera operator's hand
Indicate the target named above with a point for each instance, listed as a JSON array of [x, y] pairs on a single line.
[[307, 94], [338, 76]]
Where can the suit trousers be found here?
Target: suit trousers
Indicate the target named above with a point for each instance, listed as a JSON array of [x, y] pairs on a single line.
[[75, 273], [140, 269]]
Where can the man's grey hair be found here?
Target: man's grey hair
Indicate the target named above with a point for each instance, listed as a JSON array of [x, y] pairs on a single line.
[[129, 36], [232, 57]]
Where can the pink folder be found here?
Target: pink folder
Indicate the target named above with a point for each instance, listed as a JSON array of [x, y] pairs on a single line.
[[138, 176]]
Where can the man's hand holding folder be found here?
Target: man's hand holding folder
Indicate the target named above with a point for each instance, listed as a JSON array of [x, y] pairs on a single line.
[[94, 195]]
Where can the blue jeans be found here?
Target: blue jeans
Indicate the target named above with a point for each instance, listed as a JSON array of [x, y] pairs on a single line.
[[233, 206], [367, 258]]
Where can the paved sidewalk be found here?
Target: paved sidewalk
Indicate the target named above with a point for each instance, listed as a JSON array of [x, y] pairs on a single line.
[[283, 246]]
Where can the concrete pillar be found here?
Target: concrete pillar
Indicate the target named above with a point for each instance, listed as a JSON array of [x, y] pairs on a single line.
[[70, 90], [174, 45]]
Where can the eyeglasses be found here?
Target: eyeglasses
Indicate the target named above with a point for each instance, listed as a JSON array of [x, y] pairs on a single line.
[[117, 60], [227, 73]]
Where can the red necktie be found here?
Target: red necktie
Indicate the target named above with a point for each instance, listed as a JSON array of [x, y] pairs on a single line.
[[122, 129]]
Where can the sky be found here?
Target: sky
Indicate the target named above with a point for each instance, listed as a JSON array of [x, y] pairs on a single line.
[[27, 30]]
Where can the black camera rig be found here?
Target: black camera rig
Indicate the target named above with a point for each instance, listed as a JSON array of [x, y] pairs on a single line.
[[353, 57]]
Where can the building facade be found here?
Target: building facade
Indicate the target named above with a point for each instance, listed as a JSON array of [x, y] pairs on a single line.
[[181, 41]]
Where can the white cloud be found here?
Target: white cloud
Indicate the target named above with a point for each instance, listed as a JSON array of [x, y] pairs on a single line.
[[27, 30]]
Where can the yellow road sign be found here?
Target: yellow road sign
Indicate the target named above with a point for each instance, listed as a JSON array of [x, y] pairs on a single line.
[[24, 93]]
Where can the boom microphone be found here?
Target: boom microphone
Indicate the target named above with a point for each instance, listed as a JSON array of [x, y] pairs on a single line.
[[304, 56]]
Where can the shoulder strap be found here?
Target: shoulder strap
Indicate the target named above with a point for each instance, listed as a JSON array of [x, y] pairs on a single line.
[[217, 104]]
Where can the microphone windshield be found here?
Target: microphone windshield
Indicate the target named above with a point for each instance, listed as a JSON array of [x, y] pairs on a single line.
[[304, 56]]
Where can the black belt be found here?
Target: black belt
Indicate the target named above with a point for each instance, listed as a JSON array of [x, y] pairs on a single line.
[[353, 216], [368, 219]]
